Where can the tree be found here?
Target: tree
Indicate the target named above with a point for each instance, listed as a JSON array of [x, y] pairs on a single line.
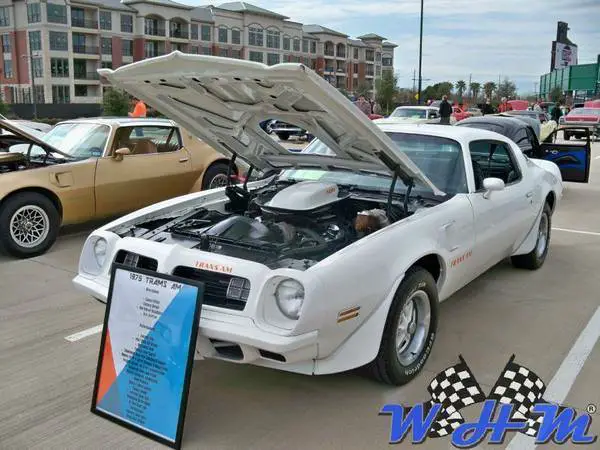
[[362, 89], [475, 88], [556, 94], [386, 89], [4, 109], [507, 89], [489, 89], [344, 92], [437, 91], [115, 103], [460, 88]]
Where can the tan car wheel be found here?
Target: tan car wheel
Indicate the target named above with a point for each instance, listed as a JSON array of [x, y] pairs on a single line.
[[215, 176], [31, 222]]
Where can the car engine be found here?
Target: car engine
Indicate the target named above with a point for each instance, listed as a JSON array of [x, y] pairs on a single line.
[[293, 227]]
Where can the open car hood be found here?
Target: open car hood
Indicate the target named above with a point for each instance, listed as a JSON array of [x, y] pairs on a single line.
[[222, 101], [17, 131]]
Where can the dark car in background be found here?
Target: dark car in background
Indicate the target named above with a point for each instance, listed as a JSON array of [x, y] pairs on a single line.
[[573, 159]]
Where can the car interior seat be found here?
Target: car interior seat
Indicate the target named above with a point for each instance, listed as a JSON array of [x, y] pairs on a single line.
[[144, 146]]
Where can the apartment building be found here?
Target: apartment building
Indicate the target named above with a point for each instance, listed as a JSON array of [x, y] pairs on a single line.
[[62, 43]]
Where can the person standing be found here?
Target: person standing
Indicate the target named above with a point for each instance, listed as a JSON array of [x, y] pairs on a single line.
[[139, 108], [445, 111], [487, 108], [537, 107], [504, 105], [557, 111], [363, 105]]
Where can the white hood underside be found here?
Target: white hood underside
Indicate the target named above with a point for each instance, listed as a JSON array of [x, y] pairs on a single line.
[[223, 100]]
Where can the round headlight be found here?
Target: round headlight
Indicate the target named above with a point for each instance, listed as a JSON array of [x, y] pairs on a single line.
[[100, 251], [289, 295]]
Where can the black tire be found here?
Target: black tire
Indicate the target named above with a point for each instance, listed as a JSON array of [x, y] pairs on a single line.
[[283, 136], [535, 259], [37, 203], [215, 176], [386, 367]]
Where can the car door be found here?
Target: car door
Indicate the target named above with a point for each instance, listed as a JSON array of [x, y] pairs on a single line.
[[157, 168], [503, 217], [572, 158]]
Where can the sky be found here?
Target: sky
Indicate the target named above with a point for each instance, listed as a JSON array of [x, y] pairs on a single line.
[[483, 39]]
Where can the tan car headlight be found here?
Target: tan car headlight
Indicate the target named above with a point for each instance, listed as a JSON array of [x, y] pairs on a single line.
[[289, 295]]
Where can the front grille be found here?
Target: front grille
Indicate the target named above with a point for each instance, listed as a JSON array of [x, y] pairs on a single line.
[[134, 260], [215, 286]]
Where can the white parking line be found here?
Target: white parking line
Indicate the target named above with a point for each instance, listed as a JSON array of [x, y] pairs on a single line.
[[565, 376], [85, 333], [591, 233]]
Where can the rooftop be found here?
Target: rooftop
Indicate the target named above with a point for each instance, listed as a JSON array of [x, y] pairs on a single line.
[[248, 8], [168, 3], [318, 29], [203, 14], [372, 36]]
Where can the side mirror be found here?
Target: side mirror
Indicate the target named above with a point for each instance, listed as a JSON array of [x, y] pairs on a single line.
[[492, 184], [120, 152]]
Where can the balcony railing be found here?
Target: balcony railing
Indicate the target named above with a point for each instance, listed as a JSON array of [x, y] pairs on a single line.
[[86, 76], [85, 49], [155, 31], [84, 23], [154, 54], [180, 34], [329, 52]]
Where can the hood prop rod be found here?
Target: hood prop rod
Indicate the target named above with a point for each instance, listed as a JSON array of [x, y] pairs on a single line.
[[230, 169], [390, 194]]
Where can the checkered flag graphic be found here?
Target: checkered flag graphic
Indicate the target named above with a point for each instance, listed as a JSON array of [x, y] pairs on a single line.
[[454, 388], [520, 387]]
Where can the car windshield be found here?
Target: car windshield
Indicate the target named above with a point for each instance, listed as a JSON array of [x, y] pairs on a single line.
[[79, 140], [482, 126], [585, 112], [439, 158], [532, 114], [413, 113]]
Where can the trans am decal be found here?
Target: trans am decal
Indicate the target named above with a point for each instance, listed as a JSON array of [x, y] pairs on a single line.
[[456, 261]]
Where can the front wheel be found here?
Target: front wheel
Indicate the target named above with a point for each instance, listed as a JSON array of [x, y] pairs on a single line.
[[409, 331], [215, 176], [30, 224], [535, 258]]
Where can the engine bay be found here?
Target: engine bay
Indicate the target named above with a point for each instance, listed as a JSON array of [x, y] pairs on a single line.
[[282, 225]]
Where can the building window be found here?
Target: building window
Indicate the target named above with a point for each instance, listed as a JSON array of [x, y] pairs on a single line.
[[35, 41], [205, 33], [153, 48], [6, 43], [272, 59], [387, 61], [127, 47], [273, 39], [106, 64], [154, 27], [378, 71], [355, 68], [296, 44], [4, 16], [38, 67], [8, 73], [194, 31], [286, 43], [237, 54], [81, 90], [378, 57], [313, 47], [236, 36], [255, 36], [126, 23], [106, 46], [59, 67], [58, 40], [206, 51], [305, 45], [56, 13], [369, 71], [34, 13], [194, 49], [355, 53], [179, 30], [370, 55], [223, 34], [223, 53], [256, 56], [61, 94], [39, 94], [105, 20]]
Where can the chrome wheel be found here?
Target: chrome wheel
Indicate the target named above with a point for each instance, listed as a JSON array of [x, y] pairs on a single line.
[[29, 226], [219, 180], [543, 232], [413, 327]]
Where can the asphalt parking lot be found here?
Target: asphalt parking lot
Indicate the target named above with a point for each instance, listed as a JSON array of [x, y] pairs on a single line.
[[46, 381]]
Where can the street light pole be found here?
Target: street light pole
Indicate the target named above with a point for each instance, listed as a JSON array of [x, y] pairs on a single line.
[[420, 55], [30, 58]]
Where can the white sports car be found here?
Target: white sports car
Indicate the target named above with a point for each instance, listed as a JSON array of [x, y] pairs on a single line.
[[414, 115], [340, 257]]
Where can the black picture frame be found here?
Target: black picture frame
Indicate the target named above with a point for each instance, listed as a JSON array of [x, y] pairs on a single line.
[[189, 360]]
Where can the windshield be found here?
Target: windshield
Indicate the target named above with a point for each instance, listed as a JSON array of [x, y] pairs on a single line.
[[414, 113], [79, 140], [482, 126], [439, 158]]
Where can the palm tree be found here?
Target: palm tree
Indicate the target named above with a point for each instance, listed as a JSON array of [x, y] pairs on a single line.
[[460, 87], [489, 89], [475, 87]]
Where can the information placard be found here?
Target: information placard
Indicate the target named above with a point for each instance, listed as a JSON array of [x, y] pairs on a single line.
[[147, 352]]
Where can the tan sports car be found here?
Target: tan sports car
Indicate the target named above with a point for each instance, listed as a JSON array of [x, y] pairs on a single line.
[[95, 168]]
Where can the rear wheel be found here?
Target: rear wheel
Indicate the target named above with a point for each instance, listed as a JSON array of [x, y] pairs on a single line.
[[535, 258], [30, 222], [409, 331], [215, 176]]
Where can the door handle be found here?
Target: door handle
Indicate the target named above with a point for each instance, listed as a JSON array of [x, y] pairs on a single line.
[[184, 159], [529, 195], [448, 225]]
